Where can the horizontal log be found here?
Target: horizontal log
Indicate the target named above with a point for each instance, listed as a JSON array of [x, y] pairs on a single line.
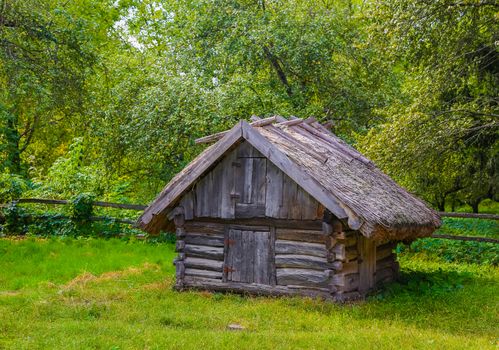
[[469, 215], [384, 275], [253, 288], [467, 238], [201, 251], [203, 273], [346, 283], [350, 267], [302, 277], [180, 232], [312, 225], [97, 203], [302, 261], [243, 210], [310, 236], [201, 227], [207, 240], [204, 264], [179, 246], [348, 241], [302, 248], [327, 290], [384, 252], [386, 262]]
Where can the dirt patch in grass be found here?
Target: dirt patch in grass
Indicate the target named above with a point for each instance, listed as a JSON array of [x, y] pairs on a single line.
[[162, 285], [9, 293], [82, 279]]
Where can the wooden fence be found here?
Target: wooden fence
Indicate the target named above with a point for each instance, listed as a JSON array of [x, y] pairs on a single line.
[[96, 203], [141, 207]]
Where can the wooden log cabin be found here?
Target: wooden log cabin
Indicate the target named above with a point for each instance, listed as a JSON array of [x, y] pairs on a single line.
[[284, 207]]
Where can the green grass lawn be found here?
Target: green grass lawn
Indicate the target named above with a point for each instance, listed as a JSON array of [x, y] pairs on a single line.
[[110, 294]]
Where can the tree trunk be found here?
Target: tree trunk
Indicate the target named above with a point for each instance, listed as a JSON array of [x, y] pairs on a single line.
[[474, 206], [13, 161]]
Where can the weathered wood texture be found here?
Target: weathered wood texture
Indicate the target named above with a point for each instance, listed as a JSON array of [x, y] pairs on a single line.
[[179, 220], [205, 264], [297, 247], [201, 251], [254, 288], [204, 273], [341, 245], [245, 184], [302, 277], [248, 256], [387, 266], [367, 264], [331, 262]]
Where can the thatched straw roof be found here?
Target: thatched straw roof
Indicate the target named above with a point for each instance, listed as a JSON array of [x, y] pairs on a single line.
[[334, 173]]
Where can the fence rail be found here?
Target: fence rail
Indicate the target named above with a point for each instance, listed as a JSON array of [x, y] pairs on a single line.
[[469, 215], [142, 207], [97, 204]]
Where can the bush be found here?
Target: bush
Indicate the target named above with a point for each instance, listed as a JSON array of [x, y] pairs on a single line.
[[17, 219], [11, 187], [82, 208], [454, 251]]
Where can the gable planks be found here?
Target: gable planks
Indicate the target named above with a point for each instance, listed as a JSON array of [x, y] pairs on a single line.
[[244, 184]]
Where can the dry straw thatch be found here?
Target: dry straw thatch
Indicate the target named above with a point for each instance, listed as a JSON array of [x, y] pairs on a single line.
[[381, 208]]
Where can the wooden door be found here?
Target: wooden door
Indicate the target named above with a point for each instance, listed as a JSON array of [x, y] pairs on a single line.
[[248, 257], [250, 182]]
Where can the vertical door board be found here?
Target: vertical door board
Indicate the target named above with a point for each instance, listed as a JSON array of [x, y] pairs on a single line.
[[248, 256]]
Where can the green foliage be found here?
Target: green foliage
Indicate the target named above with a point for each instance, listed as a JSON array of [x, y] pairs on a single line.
[[17, 219], [470, 227], [74, 221], [431, 285], [82, 208], [456, 251], [69, 176], [459, 251], [12, 186], [440, 138], [106, 97]]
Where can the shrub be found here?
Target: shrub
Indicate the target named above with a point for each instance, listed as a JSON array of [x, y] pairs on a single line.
[[11, 187], [454, 251]]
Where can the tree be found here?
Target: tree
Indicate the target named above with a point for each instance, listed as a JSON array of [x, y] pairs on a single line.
[[46, 54], [444, 131], [196, 67]]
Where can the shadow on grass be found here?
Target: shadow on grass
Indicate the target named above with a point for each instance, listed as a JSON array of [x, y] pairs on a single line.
[[448, 300]]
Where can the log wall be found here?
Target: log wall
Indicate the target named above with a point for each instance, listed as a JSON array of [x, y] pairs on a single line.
[[202, 250], [301, 259], [387, 267], [324, 260]]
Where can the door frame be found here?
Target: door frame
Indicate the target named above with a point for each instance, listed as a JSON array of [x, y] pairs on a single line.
[[272, 235]]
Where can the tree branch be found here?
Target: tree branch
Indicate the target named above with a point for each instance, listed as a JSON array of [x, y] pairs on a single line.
[[280, 72]]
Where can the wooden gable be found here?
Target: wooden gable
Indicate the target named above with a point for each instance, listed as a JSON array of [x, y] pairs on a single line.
[[245, 184]]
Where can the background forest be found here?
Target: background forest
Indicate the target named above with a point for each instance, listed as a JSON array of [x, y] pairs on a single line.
[[107, 96]]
